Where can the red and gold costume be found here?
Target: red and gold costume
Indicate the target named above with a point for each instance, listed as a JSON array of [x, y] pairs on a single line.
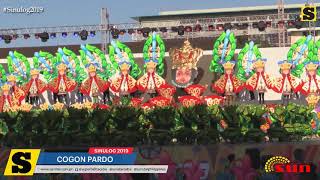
[[123, 84], [16, 91], [311, 84], [287, 82], [35, 86], [259, 81], [150, 82], [93, 85], [228, 84], [62, 84], [6, 99]]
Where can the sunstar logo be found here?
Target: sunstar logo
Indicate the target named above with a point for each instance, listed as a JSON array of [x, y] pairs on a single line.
[[282, 164]]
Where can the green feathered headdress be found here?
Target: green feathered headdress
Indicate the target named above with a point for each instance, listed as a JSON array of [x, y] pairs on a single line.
[[156, 44], [116, 49], [226, 39]]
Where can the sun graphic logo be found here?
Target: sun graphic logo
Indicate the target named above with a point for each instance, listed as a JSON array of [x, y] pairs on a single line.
[[270, 164], [280, 164]]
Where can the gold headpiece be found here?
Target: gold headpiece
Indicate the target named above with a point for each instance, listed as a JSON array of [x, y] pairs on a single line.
[[259, 64], [92, 68], [34, 72], [5, 87], [185, 56], [228, 65], [124, 66], [11, 78], [311, 67], [151, 64], [62, 67], [285, 66]]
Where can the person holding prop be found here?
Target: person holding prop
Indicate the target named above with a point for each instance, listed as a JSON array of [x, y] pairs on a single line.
[[15, 90], [123, 84], [260, 81], [287, 83], [34, 87], [228, 84], [7, 100], [153, 58], [93, 86], [62, 84], [90, 54], [311, 83]]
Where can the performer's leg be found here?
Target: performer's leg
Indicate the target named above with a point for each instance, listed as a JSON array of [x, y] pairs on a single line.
[[30, 100], [287, 99], [95, 99], [66, 99], [80, 100], [251, 95], [37, 100], [27, 99], [33, 100], [229, 99], [262, 98], [233, 99], [106, 97], [55, 97], [60, 98]]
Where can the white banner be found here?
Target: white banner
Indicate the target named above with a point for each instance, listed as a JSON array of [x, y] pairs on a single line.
[[101, 169]]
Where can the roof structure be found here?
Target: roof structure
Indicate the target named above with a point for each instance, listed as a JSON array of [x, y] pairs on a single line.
[[236, 9], [221, 11]]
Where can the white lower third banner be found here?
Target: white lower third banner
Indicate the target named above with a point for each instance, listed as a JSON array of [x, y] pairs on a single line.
[[101, 169]]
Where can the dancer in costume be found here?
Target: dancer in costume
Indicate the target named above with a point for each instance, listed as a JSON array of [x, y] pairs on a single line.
[[34, 87], [75, 71], [62, 85], [311, 84], [260, 81], [123, 84], [287, 83], [153, 57], [15, 90], [228, 84], [300, 53], [7, 100], [92, 55], [93, 86]]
